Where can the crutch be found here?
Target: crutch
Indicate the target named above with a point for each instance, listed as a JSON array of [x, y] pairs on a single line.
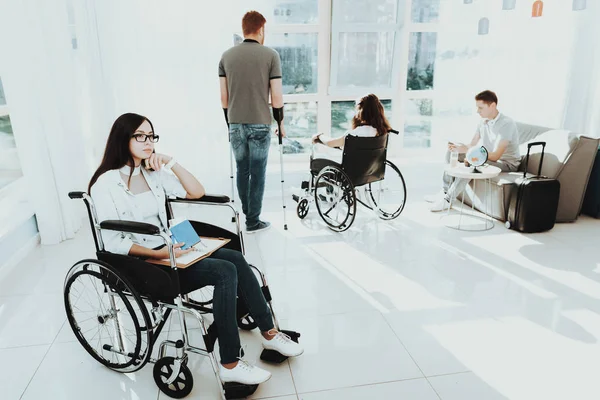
[[278, 115], [230, 156]]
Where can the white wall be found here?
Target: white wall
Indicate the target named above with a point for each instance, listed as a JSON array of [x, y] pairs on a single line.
[[525, 60]]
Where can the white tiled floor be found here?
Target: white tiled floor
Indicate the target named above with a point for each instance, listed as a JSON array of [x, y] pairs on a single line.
[[402, 310]]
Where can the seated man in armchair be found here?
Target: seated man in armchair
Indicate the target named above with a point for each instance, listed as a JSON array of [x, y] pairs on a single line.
[[497, 133]]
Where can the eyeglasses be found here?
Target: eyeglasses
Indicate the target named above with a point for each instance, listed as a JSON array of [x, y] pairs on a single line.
[[140, 137]]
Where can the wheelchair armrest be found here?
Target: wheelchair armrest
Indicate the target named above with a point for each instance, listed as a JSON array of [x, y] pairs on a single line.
[[207, 198], [130, 226]]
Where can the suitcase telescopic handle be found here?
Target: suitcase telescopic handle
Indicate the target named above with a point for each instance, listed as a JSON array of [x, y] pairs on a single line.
[[529, 146]]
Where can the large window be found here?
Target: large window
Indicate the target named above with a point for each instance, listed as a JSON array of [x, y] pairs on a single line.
[[10, 167], [343, 111], [363, 40], [299, 55]]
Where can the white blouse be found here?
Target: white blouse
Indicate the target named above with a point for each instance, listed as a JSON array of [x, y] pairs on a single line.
[[114, 201], [149, 209]]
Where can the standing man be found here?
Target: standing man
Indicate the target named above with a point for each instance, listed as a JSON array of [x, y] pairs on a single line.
[[498, 133], [248, 72]]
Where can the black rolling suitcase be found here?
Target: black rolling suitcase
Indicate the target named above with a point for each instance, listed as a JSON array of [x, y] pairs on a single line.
[[534, 200]]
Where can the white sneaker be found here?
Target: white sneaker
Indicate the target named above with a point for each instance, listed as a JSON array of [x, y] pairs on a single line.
[[244, 373], [283, 344], [440, 205], [432, 198]]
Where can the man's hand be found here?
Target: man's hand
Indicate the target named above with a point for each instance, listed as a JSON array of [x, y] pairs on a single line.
[[458, 147], [282, 131]]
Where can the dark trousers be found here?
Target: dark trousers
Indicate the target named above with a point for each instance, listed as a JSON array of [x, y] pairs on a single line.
[[230, 274]]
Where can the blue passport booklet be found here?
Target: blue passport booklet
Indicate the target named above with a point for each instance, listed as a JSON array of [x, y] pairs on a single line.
[[184, 232]]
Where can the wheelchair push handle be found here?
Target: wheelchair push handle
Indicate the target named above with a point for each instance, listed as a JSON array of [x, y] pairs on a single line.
[[76, 195], [394, 131]]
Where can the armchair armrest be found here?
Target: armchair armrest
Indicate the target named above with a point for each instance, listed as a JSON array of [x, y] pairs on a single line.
[[207, 198], [130, 226]]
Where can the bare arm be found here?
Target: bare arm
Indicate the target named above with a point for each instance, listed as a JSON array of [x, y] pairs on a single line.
[[329, 141], [161, 254], [276, 93], [194, 189], [498, 151], [192, 186], [224, 93]]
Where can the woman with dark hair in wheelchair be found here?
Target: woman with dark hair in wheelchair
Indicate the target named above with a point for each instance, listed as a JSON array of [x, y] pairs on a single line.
[[122, 189], [368, 121]]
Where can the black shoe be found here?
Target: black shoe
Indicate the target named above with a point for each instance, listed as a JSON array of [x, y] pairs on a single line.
[[261, 226]]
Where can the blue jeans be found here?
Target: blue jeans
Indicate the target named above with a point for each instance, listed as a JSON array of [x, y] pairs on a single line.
[[250, 144], [230, 274]]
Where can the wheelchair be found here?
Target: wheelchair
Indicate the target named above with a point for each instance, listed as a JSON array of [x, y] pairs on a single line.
[[334, 187], [118, 305]]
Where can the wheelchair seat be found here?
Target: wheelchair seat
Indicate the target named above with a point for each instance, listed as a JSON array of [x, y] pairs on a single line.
[[363, 159]]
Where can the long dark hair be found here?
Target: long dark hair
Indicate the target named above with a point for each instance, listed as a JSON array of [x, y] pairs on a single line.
[[370, 112], [117, 154]]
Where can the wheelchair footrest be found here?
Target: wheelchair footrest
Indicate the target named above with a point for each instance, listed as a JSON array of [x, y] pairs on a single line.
[[296, 198], [234, 390], [276, 357], [304, 185]]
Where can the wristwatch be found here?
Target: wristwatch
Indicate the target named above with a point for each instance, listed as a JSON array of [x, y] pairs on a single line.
[[170, 164]]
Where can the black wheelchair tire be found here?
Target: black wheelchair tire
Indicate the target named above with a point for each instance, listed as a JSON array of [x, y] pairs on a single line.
[[302, 208], [349, 195], [387, 215], [173, 390], [247, 323], [137, 359]]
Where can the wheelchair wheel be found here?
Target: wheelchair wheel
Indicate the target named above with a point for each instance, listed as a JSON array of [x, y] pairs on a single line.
[[335, 198], [204, 296], [107, 315], [302, 208], [247, 323], [389, 195], [183, 383]]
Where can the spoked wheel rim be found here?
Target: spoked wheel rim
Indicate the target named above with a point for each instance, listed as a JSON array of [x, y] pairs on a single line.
[[302, 208], [183, 383], [388, 196], [335, 198], [203, 296], [106, 314]]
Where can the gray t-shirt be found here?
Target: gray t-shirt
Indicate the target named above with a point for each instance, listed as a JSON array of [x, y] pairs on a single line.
[[249, 68], [498, 129]]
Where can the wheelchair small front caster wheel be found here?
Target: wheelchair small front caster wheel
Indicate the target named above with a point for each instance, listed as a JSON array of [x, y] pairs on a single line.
[[302, 208], [183, 383], [247, 323]]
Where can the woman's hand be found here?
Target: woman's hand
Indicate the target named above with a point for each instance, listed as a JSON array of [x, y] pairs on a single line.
[[316, 138], [157, 160], [163, 253]]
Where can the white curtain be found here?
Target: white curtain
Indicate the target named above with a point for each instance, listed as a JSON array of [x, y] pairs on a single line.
[[38, 68], [582, 111]]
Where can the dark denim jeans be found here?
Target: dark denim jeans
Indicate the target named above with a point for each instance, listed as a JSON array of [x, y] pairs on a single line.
[[230, 274], [250, 144]]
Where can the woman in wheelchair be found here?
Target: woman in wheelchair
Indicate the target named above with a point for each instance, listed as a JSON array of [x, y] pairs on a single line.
[[131, 184], [368, 121], [364, 175]]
